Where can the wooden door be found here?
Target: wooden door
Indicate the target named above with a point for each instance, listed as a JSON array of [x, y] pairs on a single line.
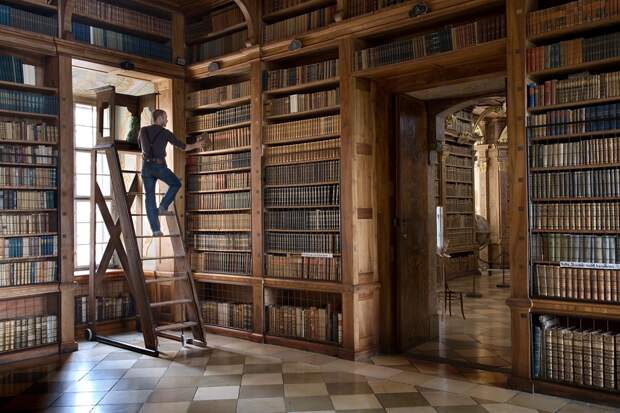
[[415, 226]]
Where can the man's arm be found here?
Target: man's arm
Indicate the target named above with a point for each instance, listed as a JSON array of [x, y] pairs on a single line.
[[184, 146]]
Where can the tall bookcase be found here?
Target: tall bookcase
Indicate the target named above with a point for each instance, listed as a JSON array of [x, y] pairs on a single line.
[[569, 92], [458, 196], [31, 293]]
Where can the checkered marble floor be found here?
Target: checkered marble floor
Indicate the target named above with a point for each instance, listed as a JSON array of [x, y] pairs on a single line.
[[483, 337], [239, 376]]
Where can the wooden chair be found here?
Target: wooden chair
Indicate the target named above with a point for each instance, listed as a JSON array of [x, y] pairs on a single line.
[[448, 294]]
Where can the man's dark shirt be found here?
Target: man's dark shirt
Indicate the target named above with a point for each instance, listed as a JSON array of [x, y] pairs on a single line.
[[153, 140]]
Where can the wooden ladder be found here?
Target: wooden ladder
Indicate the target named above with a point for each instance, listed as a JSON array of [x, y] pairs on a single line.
[[131, 260]]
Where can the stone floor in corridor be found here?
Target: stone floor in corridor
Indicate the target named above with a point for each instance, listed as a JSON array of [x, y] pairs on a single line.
[[483, 337], [239, 376]]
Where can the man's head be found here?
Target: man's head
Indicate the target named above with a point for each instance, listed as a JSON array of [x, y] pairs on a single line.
[[160, 118]]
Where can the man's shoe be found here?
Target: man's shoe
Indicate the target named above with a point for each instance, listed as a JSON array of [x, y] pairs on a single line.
[[158, 234], [162, 211]]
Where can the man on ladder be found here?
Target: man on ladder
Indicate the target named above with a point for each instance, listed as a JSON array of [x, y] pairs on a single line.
[[153, 140]]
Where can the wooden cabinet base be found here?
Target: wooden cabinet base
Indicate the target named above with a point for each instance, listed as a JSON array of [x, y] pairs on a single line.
[[232, 332]]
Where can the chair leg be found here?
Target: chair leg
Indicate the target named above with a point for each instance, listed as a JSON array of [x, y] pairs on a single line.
[[450, 305], [462, 307]]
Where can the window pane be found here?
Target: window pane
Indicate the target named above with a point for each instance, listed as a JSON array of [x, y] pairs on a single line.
[[82, 211], [102, 233], [82, 185], [82, 233], [84, 136], [84, 115], [82, 255], [104, 184], [102, 166], [82, 162]]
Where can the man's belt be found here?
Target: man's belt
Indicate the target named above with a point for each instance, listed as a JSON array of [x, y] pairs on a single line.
[[160, 161]]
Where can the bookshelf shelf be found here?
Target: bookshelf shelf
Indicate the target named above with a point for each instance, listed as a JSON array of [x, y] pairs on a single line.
[[27, 88], [335, 254], [220, 128], [232, 332], [214, 35], [544, 108], [31, 188], [109, 322], [575, 30], [311, 285], [28, 290], [577, 199], [219, 171], [44, 349], [576, 392], [301, 185], [50, 8], [29, 258], [456, 181], [576, 135], [221, 230], [574, 308], [303, 344], [18, 142], [300, 8], [218, 210], [304, 139], [325, 83], [221, 151], [458, 166], [305, 162], [221, 250], [575, 167], [301, 206], [133, 30], [5, 112], [302, 231], [223, 104], [26, 164], [25, 211], [595, 65], [233, 279], [572, 231], [216, 191], [35, 234], [298, 115]]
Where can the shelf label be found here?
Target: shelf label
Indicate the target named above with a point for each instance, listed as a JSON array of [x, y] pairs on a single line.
[[317, 255], [593, 265]]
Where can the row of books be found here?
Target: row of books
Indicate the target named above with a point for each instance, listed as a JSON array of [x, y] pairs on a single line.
[[19, 200], [584, 357], [217, 47], [573, 52], [218, 94], [303, 219], [297, 25], [218, 242], [123, 16], [307, 173], [302, 196], [587, 216], [591, 183], [215, 21], [222, 262], [577, 283], [215, 163], [582, 152], [235, 180], [303, 268], [576, 88], [359, 7], [457, 189], [601, 249], [26, 273], [27, 130], [226, 139], [303, 102], [302, 152], [277, 5], [444, 40], [108, 308], [459, 221], [23, 176], [25, 332], [452, 160], [31, 102], [231, 315], [218, 221], [570, 14], [122, 42], [459, 149], [458, 174], [303, 243], [459, 205], [222, 117], [302, 129], [29, 21], [28, 246], [459, 237], [460, 264], [30, 154], [310, 323], [13, 69], [297, 75], [232, 200], [574, 121], [26, 224]]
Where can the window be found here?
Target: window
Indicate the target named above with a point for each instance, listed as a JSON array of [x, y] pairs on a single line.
[[85, 118]]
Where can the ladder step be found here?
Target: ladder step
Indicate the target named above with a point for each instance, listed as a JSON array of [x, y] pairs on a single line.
[[172, 302], [176, 326], [143, 193], [168, 257], [161, 236], [127, 171], [166, 279]]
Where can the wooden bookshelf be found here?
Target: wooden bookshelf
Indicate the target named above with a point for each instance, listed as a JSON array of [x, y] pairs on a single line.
[[555, 307]]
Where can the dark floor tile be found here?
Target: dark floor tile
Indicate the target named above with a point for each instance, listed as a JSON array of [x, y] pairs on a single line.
[[213, 406], [298, 378], [305, 404], [178, 382], [343, 377], [79, 399], [122, 355], [223, 380], [348, 388], [262, 368], [105, 374], [150, 363], [117, 408], [68, 409], [225, 360], [137, 383], [461, 409], [172, 395], [30, 402], [362, 411], [389, 400], [255, 392], [48, 387]]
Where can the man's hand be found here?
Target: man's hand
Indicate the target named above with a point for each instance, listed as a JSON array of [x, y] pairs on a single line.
[[197, 145]]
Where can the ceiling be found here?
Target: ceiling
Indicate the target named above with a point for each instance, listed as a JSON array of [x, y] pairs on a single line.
[[88, 76]]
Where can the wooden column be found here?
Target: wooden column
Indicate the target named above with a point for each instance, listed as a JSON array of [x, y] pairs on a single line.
[[65, 204], [519, 301]]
